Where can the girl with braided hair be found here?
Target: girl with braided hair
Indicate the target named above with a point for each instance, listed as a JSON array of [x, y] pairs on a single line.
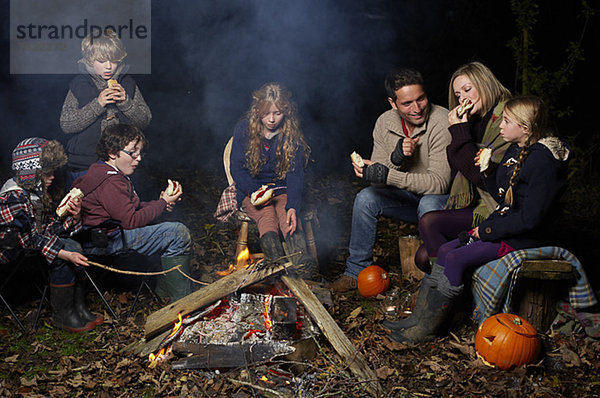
[[527, 184], [269, 150]]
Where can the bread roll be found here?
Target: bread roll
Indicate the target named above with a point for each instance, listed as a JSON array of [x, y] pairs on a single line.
[[261, 195], [464, 107], [62, 208], [484, 159], [173, 187], [357, 159], [112, 82]]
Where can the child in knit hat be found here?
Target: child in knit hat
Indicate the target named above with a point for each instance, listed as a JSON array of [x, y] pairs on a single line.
[[28, 221]]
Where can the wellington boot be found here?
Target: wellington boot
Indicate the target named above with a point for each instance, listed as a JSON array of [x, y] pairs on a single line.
[[304, 263], [173, 284], [64, 315], [272, 247], [80, 307], [438, 303], [427, 284]]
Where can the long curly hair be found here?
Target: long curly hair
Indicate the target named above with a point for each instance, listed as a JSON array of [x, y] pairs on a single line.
[[488, 86], [528, 112], [292, 138]]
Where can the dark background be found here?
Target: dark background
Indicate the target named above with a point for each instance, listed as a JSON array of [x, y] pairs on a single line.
[[208, 56]]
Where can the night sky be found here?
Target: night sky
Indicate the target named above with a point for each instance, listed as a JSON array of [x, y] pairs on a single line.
[[208, 56]]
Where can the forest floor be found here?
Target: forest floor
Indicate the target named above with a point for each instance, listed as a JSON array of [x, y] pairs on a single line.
[[50, 362]]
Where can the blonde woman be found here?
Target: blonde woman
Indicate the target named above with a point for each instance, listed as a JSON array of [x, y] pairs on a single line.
[[526, 184], [269, 150]]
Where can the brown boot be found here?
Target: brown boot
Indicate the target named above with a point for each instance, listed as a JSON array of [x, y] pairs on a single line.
[[343, 284]]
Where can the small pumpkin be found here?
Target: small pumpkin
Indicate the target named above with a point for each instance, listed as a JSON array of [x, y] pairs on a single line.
[[372, 281], [506, 341]]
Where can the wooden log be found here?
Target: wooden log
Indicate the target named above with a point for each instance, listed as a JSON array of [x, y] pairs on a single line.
[[213, 356], [408, 246], [354, 359], [164, 318]]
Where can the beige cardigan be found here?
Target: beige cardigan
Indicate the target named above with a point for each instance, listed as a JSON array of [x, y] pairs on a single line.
[[427, 171]]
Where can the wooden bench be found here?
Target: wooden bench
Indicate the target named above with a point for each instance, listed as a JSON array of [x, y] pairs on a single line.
[[539, 285]]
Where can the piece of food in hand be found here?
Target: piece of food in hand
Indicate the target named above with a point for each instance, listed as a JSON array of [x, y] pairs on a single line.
[[485, 155], [356, 158], [464, 107], [112, 82], [173, 187], [62, 208], [261, 195]]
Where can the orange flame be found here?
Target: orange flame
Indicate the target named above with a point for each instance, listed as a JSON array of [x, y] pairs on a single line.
[[267, 314], [243, 260], [154, 359]]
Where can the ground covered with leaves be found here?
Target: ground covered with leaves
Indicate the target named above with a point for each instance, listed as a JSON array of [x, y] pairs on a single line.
[[50, 362]]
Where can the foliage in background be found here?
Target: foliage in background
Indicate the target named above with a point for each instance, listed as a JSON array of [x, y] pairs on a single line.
[[536, 79]]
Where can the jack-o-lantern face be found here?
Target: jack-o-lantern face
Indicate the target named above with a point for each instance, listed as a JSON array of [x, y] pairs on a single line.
[[506, 341], [372, 281]]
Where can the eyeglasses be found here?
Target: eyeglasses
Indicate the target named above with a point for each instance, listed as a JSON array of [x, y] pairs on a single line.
[[133, 155]]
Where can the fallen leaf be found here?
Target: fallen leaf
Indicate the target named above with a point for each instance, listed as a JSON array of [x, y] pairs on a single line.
[[28, 383], [11, 359], [354, 314], [569, 356]]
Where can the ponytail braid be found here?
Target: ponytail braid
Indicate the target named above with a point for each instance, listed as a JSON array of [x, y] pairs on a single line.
[[508, 198]]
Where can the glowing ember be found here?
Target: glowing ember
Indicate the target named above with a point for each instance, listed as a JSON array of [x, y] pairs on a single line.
[[266, 314]]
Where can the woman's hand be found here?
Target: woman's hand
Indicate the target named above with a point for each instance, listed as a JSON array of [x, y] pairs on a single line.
[[74, 257], [477, 157], [291, 221], [172, 199], [454, 119]]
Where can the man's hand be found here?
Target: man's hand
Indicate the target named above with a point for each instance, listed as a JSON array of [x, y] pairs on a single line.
[[375, 173]]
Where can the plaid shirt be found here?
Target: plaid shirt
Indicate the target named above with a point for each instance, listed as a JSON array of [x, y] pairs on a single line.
[[17, 211], [493, 282]]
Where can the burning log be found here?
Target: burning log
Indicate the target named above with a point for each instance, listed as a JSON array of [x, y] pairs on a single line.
[[228, 356], [164, 318], [334, 334]]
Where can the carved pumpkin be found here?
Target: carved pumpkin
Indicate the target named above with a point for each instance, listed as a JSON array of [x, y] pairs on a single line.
[[372, 281], [506, 341]]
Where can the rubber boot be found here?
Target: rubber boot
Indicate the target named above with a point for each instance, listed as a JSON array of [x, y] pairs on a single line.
[[80, 307], [438, 303], [174, 285], [305, 265], [272, 247], [64, 315], [427, 283]]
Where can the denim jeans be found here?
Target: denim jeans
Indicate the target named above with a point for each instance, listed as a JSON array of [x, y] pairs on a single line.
[[373, 202], [169, 239], [63, 272]]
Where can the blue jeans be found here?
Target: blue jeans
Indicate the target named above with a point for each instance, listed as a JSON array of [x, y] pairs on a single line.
[[375, 201], [167, 238], [63, 272]]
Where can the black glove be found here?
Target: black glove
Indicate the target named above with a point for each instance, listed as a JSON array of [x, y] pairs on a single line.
[[465, 239], [397, 157], [375, 173]]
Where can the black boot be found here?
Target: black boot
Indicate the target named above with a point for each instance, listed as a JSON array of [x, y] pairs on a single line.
[[64, 315], [80, 307], [272, 247], [305, 265], [427, 284], [438, 302]]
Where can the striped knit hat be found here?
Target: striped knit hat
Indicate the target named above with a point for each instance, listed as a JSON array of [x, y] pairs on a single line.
[[36, 153]]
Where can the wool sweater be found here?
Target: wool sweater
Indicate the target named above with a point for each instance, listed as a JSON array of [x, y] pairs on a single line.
[[83, 118], [246, 183], [528, 221], [109, 194], [427, 171]]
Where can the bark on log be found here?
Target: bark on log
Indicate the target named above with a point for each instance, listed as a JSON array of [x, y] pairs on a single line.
[[354, 359], [164, 318]]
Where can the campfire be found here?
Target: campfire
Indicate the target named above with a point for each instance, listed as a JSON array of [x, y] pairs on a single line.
[[257, 324]]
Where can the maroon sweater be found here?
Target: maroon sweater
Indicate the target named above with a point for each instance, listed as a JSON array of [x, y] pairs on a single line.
[[109, 194]]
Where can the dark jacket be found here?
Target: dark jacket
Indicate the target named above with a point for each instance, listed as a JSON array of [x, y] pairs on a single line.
[[109, 194], [536, 193]]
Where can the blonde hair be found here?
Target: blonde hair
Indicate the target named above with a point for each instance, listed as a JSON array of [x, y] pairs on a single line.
[[105, 47], [292, 138], [528, 112], [490, 90]]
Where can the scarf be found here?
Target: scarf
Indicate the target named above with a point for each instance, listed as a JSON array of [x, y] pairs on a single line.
[[463, 193]]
